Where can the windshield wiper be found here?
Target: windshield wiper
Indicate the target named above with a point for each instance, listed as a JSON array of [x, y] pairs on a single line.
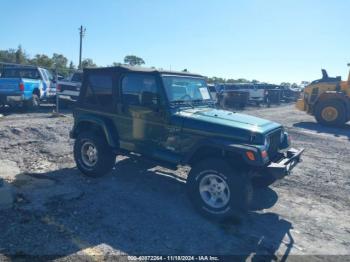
[[207, 101], [183, 102]]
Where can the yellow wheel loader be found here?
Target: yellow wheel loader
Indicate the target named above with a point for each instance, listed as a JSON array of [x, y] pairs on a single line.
[[328, 99]]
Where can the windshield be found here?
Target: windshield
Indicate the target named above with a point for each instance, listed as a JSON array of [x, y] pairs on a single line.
[[180, 88], [77, 77]]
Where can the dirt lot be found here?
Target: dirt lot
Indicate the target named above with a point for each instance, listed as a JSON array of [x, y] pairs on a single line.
[[140, 209]]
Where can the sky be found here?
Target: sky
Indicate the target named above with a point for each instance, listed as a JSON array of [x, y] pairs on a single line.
[[268, 40]]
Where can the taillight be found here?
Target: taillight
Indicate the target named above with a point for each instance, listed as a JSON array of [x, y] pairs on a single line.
[[21, 86], [58, 88]]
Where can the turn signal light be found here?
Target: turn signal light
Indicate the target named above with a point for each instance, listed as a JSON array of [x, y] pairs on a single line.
[[250, 155]]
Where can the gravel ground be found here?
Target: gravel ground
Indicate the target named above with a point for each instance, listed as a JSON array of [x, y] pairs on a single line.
[[141, 209]]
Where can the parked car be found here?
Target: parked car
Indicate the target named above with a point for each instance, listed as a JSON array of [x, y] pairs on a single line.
[[26, 85], [169, 117], [255, 91], [273, 94], [68, 90], [230, 96], [213, 91], [290, 94]]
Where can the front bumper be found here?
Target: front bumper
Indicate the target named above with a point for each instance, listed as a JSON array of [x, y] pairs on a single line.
[[285, 164]]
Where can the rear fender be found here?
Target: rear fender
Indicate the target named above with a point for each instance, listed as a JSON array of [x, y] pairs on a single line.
[[83, 122]]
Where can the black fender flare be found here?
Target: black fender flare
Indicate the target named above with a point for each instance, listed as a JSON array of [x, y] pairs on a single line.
[[226, 146], [103, 124]]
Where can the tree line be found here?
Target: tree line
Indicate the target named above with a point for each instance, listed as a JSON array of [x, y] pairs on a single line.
[[64, 67], [57, 61]]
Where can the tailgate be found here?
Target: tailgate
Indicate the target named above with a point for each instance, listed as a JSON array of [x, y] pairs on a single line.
[[9, 85], [70, 86]]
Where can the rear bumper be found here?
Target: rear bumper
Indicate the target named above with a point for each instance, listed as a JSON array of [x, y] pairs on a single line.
[[11, 98], [70, 98], [259, 99], [285, 164]]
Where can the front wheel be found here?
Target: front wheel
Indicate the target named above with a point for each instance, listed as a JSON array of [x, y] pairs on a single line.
[[330, 113], [217, 190], [92, 154]]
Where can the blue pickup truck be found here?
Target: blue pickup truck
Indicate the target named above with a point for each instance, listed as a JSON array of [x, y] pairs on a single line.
[[26, 86]]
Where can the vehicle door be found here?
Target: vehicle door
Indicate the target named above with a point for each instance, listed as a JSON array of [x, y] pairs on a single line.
[[142, 120], [44, 85]]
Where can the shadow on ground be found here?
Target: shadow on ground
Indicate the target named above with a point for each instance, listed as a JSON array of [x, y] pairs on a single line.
[[138, 210], [336, 131], [43, 109]]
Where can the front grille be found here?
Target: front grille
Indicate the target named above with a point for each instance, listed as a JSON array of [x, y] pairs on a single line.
[[274, 144]]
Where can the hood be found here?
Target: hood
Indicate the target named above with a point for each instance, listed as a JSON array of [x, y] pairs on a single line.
[[226, 120]]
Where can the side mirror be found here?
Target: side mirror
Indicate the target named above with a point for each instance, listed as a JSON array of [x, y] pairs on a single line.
[[149, 99]]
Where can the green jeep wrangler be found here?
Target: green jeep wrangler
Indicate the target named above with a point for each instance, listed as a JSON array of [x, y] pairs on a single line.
[[170, 117]]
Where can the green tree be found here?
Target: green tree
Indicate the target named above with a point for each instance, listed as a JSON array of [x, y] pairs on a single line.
[[133, 60], [42, 60], [242, 80], [8, 56], [60, 62], [21, 56], [14, 56], [285, 84], [71, 66], [88, 62]]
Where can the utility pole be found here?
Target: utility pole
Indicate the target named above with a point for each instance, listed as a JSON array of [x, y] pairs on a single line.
[[82, 34]]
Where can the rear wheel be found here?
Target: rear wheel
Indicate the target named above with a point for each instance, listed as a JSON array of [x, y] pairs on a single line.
[[92, 154], [330, 113], [33, 103], [217, 190]]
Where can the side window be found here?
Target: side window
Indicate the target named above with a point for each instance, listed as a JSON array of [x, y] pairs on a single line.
[[135, 85], [100, 91]]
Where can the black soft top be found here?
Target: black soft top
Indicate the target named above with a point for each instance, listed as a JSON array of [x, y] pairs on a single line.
[[125, 68]]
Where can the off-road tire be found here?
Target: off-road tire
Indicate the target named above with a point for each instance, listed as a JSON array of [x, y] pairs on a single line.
[[33, 103], [336, 105], [105, 156], [239, 187]]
